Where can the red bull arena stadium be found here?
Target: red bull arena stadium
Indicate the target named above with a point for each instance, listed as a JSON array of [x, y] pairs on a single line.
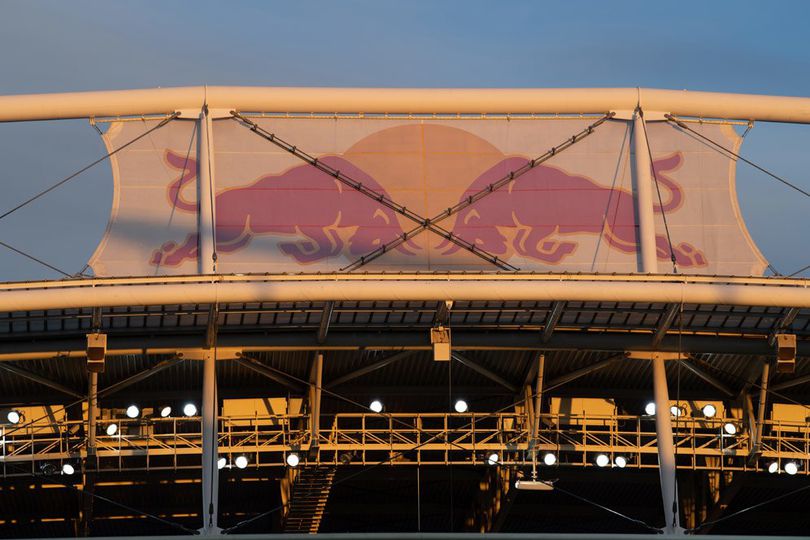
[[410, 313]]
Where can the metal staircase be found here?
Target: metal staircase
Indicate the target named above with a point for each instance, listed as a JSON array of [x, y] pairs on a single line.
[[308, 491]]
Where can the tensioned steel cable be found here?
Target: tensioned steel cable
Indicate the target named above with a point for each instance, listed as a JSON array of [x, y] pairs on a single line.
[[380, 198], [394, 456], [90, 166], [799, 271], [474, 198], [658, 190], [747, 509], [683, 125], [68, 179], [35, 259]]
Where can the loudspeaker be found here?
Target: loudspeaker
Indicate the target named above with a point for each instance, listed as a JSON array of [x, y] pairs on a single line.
[[785, 353], [440, 338], [96, 352]]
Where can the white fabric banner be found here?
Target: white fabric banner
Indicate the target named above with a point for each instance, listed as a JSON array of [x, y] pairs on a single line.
[[275, 213]]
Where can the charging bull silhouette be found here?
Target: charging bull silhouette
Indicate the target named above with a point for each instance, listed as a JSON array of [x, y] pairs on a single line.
[[302, 201], [547, 203]]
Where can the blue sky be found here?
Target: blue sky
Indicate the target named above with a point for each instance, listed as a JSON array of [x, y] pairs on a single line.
[[51, 46]]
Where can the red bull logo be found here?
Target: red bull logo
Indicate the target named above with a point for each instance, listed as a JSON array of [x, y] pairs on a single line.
[[546, 204], [301, 202], [542, 215]]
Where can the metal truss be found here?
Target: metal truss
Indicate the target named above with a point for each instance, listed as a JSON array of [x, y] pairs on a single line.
[[404, 439]]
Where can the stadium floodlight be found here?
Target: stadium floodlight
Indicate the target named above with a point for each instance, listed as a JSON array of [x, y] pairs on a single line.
[[791, 467], [709, 410], [189, 409], [293, 459], [13, 417], [549, 459], [112, 429], [493, 459], [649, 409], [376, 406], [133, 411], [620, 461], [68, 469], [602, 460], [221, 462], [461, 406], [773, 467], [676, 411], [730, 428], [241, 462], [165, 412]]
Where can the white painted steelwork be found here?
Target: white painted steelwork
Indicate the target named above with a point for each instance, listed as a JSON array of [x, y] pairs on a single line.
[[642, 178], [146, 291], [404, 100], [205, 195]]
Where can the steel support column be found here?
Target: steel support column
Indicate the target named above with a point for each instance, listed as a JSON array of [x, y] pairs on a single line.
[[763, 398], [205, 195], [92, 408], [644, 196], [210, 471], [538, 397], [316, 379], [90, 463], [666, 447]]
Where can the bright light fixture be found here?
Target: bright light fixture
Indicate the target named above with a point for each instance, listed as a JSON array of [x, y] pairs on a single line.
[[376, 406], [773, 467], [493, 459], [189, 409], [112, 429], [293, 460], [241, 462], [649, 409], [13, 417], [133, 411], [221, 462], [165, 412], [461, 406], [549, 459], [791, 467], [602, 460], [620, 461], [709, 410], [676, 411], [68, 469], [730, 428]]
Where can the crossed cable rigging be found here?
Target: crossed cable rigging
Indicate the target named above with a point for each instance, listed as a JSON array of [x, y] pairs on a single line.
[[423, 223]]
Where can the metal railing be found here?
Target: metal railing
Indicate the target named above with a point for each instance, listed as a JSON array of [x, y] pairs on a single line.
[[402, 439]]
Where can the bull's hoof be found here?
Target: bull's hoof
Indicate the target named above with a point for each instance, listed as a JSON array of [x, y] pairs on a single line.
[[689, 255]]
